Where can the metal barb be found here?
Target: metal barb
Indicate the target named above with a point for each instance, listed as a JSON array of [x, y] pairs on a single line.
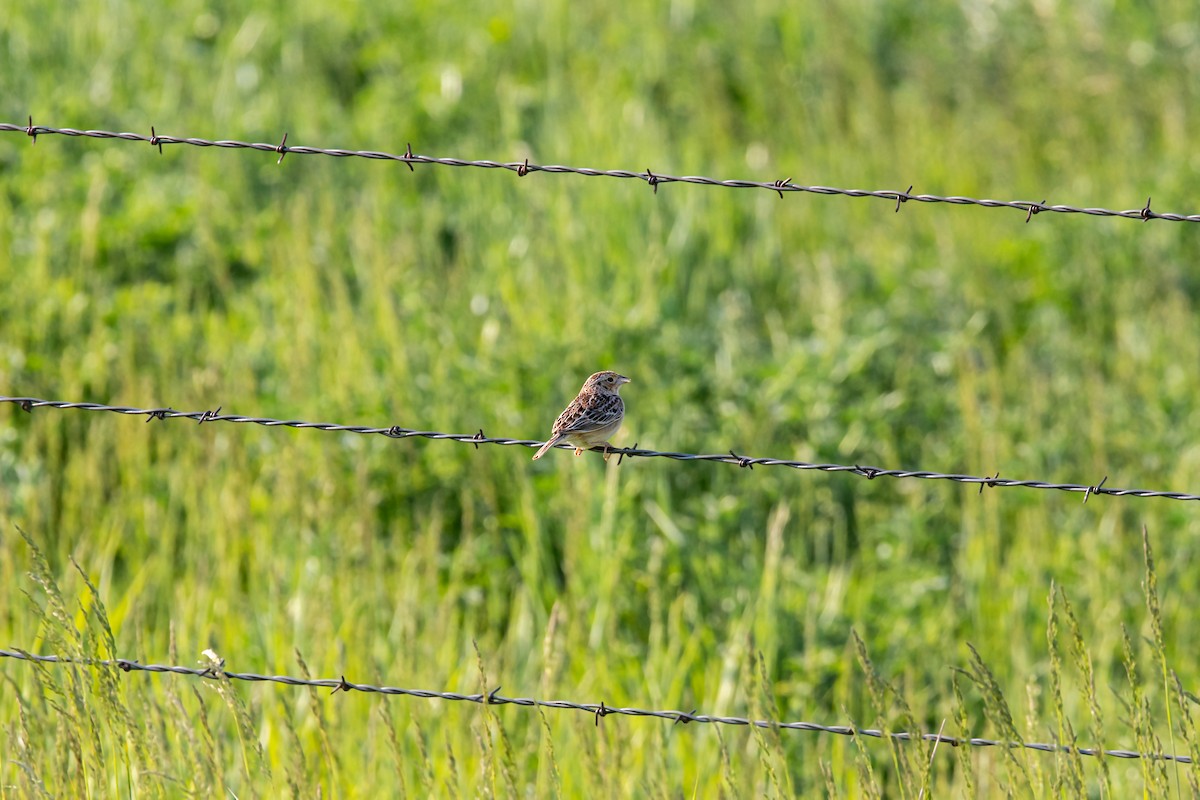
[[989, 481], [652, 179], [31, 131], [626, 452], [208, 416], [742, 461], [1091, 490], [154, 140], [523, 169], [684, 718], [1146, 212], [282, 148], [408, 156], [781, 185], [1034, 208], [903, 198]]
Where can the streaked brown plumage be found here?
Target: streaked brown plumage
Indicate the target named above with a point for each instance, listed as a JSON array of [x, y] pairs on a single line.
[[592, 417]]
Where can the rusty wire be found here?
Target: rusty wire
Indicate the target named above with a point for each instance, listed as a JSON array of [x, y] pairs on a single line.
[[598, 710], [653, 179], [478, 438]]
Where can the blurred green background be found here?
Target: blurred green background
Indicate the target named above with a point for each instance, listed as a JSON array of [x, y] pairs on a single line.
[[825, 329]]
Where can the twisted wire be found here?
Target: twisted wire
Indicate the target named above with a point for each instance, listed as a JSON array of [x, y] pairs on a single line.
[[479, 438], [599, 710], [651, 178]]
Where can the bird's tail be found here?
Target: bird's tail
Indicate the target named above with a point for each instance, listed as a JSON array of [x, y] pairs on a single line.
[[553, 441]]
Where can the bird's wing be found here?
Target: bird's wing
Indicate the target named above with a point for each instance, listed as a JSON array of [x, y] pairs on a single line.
[[583, 418]]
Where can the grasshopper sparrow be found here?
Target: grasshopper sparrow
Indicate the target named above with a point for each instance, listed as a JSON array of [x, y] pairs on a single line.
[[594, 415]]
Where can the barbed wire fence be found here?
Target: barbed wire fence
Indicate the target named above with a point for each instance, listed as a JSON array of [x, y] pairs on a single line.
[[653, 179], [479, 438], [217, 671]]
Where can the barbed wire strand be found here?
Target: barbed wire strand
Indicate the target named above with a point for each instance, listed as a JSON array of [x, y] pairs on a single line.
[[599, 710], [652, 179], [478, 438]]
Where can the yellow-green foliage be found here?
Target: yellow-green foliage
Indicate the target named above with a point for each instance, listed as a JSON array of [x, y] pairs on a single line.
[[826, 329]]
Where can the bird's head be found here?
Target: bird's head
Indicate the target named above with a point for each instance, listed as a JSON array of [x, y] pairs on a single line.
[[607, 381]]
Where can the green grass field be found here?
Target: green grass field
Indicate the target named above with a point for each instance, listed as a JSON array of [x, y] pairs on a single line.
[[825, 329]]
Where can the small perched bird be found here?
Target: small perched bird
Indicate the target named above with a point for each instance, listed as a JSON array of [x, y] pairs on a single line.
[[592, 417]]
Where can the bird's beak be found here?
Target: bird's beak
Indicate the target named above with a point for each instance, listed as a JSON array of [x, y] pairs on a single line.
[[624, 379]]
